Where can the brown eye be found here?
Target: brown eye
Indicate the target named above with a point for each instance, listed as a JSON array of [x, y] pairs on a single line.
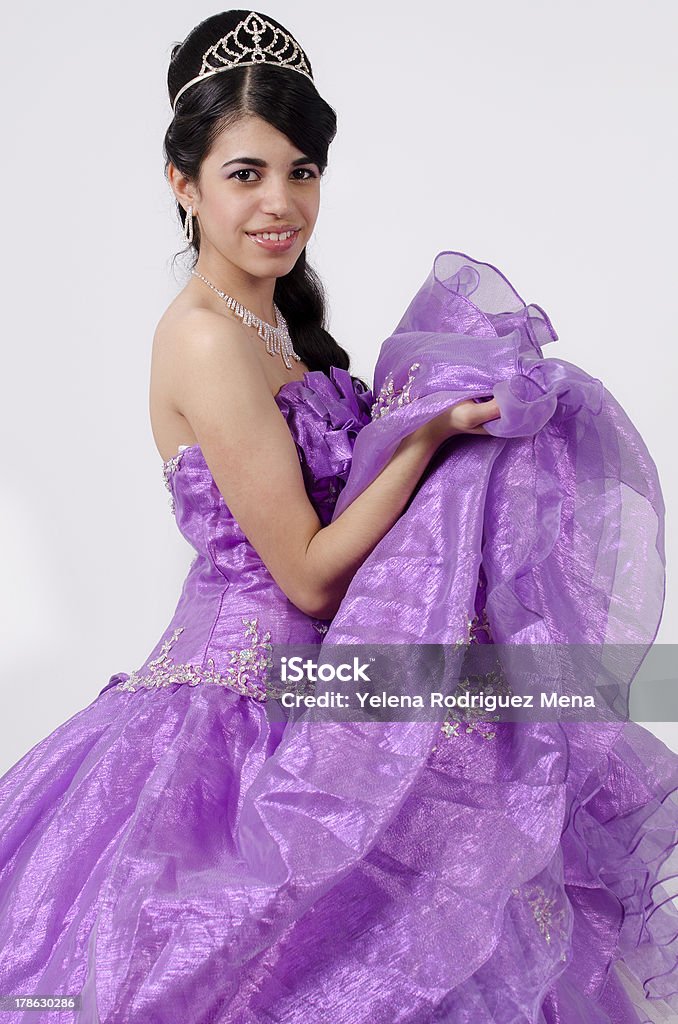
[[243, 170]]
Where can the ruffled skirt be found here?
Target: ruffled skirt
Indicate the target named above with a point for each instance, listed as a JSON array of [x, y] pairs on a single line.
[[142, 860]]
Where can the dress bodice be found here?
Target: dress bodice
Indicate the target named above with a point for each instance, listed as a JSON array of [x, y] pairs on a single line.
[[231, 609], [324, 414]]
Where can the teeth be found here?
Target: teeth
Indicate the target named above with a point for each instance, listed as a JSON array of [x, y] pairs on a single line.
[[272, 235]]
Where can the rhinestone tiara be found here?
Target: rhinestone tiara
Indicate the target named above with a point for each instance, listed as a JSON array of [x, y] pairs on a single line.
[[243, 46]]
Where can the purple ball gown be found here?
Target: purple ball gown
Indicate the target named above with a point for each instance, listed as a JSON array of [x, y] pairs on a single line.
[[176, 856]]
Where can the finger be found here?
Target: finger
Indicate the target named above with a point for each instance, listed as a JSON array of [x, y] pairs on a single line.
[[486, 411], [478, 430]]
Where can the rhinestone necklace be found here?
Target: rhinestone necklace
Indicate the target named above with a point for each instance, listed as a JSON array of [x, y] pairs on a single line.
[[277, 339]]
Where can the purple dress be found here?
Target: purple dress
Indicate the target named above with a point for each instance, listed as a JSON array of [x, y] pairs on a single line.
[[176, 856]]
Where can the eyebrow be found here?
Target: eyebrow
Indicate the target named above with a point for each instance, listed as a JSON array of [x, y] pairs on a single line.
[[256, 162]]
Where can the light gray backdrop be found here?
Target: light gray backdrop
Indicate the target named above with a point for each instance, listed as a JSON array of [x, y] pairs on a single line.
[[540, 138]]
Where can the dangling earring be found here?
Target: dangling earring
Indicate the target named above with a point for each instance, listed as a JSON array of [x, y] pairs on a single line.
[[188, 225]]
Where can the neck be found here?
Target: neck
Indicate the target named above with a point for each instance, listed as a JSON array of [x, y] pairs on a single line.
[[255, 293]]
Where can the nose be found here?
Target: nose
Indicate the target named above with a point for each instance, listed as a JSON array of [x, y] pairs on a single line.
[[276, 197]]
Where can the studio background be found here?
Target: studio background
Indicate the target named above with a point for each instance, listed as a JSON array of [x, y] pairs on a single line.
[[539, 138]]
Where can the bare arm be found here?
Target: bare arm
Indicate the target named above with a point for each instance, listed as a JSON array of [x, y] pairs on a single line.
[[220, 388], [336, 552]]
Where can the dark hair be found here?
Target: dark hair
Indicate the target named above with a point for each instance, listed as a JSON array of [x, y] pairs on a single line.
[[288, 101]]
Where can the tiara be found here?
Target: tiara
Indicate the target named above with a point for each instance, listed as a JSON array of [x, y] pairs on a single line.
[[282, 51]]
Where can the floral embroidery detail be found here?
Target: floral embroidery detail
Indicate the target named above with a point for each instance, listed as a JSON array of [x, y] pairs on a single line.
[[542, 910], [320, 626], [246, 675], [475, 719], [389, 396], [169, 467]]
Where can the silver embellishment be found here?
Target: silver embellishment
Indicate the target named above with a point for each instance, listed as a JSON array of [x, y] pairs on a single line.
[[388, 395], [542, 911], [169, 467], [246, 675], [277, 339], [476, 720], [229, 52]]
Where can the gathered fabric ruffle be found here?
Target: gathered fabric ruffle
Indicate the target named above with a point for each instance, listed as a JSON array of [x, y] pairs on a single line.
[[341, 407]]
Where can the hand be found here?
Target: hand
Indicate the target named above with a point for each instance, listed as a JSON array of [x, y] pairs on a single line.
[[465, 417]]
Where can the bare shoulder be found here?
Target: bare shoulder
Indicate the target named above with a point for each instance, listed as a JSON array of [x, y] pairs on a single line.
[[223, 403], [192, 341], [183, 332], [193, 350]]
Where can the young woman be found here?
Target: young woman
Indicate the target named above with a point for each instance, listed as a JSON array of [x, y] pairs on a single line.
[[176, 853]]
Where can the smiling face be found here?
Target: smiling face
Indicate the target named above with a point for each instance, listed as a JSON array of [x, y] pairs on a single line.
[[253, 180]]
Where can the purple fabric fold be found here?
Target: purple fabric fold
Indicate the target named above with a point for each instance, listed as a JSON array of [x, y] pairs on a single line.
[[563, 509]]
